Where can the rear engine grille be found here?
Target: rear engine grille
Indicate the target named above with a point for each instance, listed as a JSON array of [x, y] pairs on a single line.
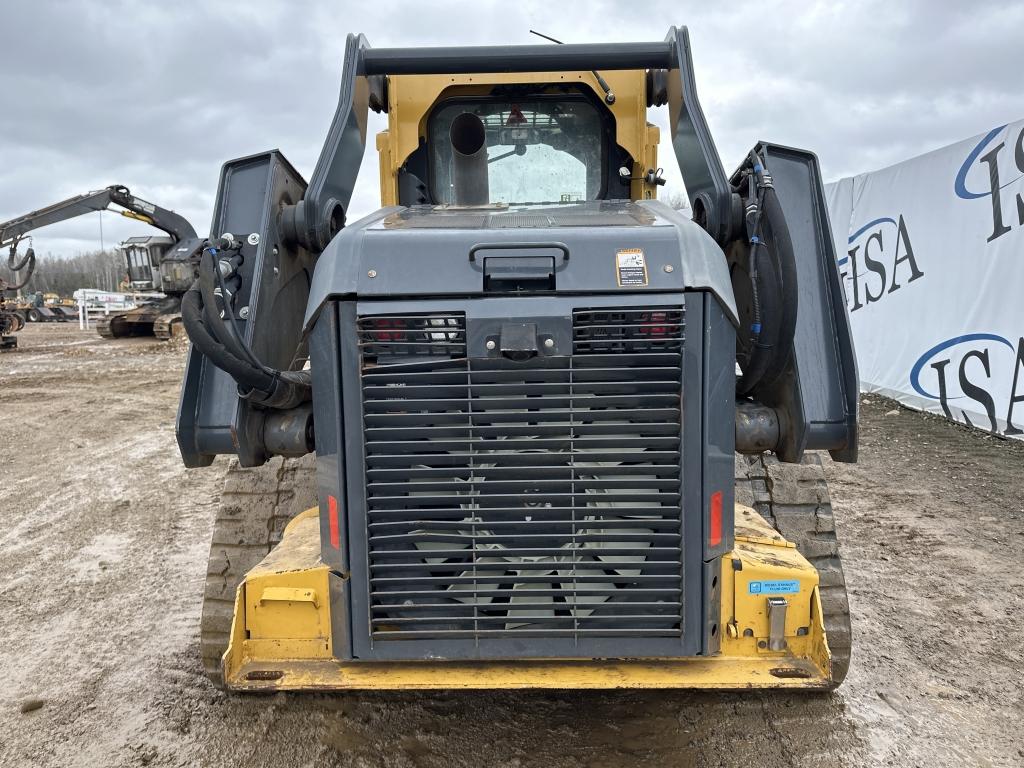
[[541, 498]]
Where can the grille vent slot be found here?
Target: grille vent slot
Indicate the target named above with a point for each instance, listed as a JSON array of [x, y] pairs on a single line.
[[651, 329], [542, 498], [382, 337]]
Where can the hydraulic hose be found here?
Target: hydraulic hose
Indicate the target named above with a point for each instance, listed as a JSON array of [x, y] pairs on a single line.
[[786, 261], [213, 320], [234, 332], [242, 372], [773, 290], [753, 216], [224, 347], [16, 265]]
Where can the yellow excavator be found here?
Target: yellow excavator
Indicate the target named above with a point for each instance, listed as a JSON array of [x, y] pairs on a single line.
[[524, 426]]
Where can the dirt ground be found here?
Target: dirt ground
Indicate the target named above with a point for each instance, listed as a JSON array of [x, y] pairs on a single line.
[[103, 545]]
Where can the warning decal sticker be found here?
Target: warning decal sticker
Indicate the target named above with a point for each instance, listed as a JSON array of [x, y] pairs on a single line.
[[631, 268], [774, 587]]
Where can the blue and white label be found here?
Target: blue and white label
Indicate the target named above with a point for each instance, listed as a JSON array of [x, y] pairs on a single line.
[[774, 587]]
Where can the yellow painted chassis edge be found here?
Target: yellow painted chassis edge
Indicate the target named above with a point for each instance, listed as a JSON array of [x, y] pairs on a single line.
[[281, 632]]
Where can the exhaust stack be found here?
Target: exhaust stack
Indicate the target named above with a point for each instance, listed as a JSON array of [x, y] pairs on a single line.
[[469, 161]]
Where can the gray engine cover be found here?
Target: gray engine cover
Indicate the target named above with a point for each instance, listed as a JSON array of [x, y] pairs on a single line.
[[426, 251]]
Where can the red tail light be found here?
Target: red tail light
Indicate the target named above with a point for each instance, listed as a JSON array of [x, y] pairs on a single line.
[[332, 522], [715, 523], [656, 325], [381, 329]]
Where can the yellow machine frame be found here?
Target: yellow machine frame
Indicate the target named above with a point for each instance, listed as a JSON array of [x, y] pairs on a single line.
[[412, 97], [281, 633]]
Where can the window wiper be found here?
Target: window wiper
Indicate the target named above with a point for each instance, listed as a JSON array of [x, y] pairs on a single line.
[[520, 149], [608, 95]]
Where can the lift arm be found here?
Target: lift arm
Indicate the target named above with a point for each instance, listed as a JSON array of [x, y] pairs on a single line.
[[132, 207]]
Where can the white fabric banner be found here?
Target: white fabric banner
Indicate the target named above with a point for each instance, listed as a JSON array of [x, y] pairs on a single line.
[[931, 252]]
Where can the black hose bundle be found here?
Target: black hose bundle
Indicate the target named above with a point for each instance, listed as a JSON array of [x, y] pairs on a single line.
[[773, 288], [26, 262], [222, 343]]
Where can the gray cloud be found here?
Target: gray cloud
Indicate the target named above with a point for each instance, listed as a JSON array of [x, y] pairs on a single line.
[[158, 95]]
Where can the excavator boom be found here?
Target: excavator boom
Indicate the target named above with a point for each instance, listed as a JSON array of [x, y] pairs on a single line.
[[174, 224]]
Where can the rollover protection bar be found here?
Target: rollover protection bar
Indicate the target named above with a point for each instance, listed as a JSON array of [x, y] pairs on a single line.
[[314, 220], [519, 58]]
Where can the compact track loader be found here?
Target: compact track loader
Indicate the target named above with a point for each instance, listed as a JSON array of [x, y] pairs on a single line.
[[524, 426]]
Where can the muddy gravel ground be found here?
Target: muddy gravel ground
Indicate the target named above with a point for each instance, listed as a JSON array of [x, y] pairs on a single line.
[[103, 545]]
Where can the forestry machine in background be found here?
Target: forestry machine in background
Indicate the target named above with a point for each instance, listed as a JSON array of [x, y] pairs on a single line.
[[167, 265]]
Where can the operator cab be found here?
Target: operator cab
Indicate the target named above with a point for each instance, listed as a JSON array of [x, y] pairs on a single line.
[[144, 255], [515, 142]]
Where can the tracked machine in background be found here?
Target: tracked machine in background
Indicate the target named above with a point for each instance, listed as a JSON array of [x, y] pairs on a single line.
[[159, 264], [38, 307], [11, 319], [564, 436]]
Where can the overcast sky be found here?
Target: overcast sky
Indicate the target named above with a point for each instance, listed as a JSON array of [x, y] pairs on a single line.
[[157, 95]]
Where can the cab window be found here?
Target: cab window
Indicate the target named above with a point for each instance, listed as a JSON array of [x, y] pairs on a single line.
[[139, 267], [544, 150]]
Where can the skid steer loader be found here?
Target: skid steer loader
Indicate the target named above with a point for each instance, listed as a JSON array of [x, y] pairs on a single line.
[[555, 433]]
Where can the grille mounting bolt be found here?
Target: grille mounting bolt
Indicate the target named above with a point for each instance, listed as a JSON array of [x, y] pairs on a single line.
[[490, 344], [372, 273], [253, 239], [669, 268]]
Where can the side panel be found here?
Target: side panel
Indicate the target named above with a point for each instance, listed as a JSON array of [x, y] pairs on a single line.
[[331, 478], [329, 436], [719, 445], [719, 432], [269, 306], [695, 610]]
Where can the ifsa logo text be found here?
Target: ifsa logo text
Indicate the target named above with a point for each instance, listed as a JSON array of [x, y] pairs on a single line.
[[972, 370], [879, 261], [995, 171]]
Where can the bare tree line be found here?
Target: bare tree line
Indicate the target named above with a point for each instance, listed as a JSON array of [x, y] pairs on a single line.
[[65, 275], [676, 198]]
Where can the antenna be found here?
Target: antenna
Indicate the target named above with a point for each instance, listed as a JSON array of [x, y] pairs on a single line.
[[608, 95], [546, 37]]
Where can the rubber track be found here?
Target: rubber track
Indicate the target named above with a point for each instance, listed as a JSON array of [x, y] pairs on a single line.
[[103, 328], [794, 499], [167, 326], [256, 504]]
